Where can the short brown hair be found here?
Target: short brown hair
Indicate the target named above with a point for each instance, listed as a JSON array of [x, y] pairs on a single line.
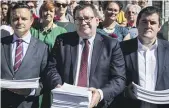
[[83, 6], [48, 5]]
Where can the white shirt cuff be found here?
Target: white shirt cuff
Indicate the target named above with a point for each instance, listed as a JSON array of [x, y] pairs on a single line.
[[32, 92], [101, 94]]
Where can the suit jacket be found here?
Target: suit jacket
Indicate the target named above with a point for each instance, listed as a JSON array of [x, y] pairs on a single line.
[[107, 64], [32, 66], [129, 49]]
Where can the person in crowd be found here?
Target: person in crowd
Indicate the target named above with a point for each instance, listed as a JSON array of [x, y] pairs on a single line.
[[146, 59], [33, 5], [143, 3], [110, 25], [133, 2], [61, 9], [164, 32], [47, 30], [99, 67], [131, 15], [121, 20], [12, 4], [70, 8], [22, 57], [6, 28], [4, 10]]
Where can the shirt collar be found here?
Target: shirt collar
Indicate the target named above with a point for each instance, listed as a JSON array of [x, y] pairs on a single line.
[[142, 47], [91, 40], [26, 38]]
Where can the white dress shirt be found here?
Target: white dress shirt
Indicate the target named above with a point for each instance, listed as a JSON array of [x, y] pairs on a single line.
[[79, 53], [147, 65], [26, 40]]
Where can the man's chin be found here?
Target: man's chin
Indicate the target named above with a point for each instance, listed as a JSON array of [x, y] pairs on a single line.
[[147, 35]]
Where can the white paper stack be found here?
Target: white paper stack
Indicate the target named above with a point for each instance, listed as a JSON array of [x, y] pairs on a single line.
[[19, 84], [154, 97], [70, 96]]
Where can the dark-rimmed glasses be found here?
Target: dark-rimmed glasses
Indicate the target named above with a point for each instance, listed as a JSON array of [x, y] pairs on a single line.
[[87, 19], [59, 5]]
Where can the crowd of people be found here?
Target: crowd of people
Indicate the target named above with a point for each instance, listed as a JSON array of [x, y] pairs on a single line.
[[104, 47]]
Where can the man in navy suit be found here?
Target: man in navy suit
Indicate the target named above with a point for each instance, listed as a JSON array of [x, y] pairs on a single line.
[[89, 59], [22, 57], [147, 60]]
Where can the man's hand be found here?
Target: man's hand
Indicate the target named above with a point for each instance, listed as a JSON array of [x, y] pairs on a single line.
[[129, 92], [95, 97], [24, 92]]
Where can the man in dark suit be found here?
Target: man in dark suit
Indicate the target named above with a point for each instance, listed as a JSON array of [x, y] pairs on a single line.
[[86, 58], [147, 60], [22, 57]]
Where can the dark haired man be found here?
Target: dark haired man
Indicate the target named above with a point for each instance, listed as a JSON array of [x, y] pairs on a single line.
[[86, 58], [146, 59], [22, 57]]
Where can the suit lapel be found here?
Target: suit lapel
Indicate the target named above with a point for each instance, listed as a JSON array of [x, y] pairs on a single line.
[[97, 49], [8, 53], [161, 53], [134, 61], [73, 51]]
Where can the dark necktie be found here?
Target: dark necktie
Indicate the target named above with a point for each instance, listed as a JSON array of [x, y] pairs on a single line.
[[82, 80], [18, 55]]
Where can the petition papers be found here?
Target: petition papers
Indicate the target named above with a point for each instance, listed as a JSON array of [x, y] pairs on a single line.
[[70, 96], [154, 97], [19, 84]]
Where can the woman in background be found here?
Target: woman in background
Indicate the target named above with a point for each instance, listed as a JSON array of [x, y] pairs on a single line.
[[47, 30], [61, 12], [110, 25]]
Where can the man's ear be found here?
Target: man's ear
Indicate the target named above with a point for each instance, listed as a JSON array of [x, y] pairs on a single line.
[[159, 28], [97, 20], [32, 20]]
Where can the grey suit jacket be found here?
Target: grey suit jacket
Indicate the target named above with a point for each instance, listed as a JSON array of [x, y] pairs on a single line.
[[129, 49], [107, 65], [32, 66]]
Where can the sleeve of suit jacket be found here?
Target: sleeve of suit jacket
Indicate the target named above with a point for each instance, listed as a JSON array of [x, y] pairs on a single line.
[[117, 73], [52, 76]]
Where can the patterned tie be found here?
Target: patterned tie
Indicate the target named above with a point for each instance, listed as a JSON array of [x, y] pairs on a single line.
[[82, 80], [18, 55]]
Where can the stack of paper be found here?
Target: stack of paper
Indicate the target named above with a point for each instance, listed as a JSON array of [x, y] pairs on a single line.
[[19, 84], [69, 96], [154, 97]]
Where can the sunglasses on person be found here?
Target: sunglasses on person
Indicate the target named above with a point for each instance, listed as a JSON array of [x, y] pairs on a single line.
[[59, 5]]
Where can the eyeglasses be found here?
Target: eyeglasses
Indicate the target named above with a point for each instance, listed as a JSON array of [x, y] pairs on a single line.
[[59, 5], [87, 19]]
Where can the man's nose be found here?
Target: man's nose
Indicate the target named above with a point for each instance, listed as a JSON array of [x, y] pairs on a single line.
[[48, 11], [19, 20], [83, 21], [148, 24]]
